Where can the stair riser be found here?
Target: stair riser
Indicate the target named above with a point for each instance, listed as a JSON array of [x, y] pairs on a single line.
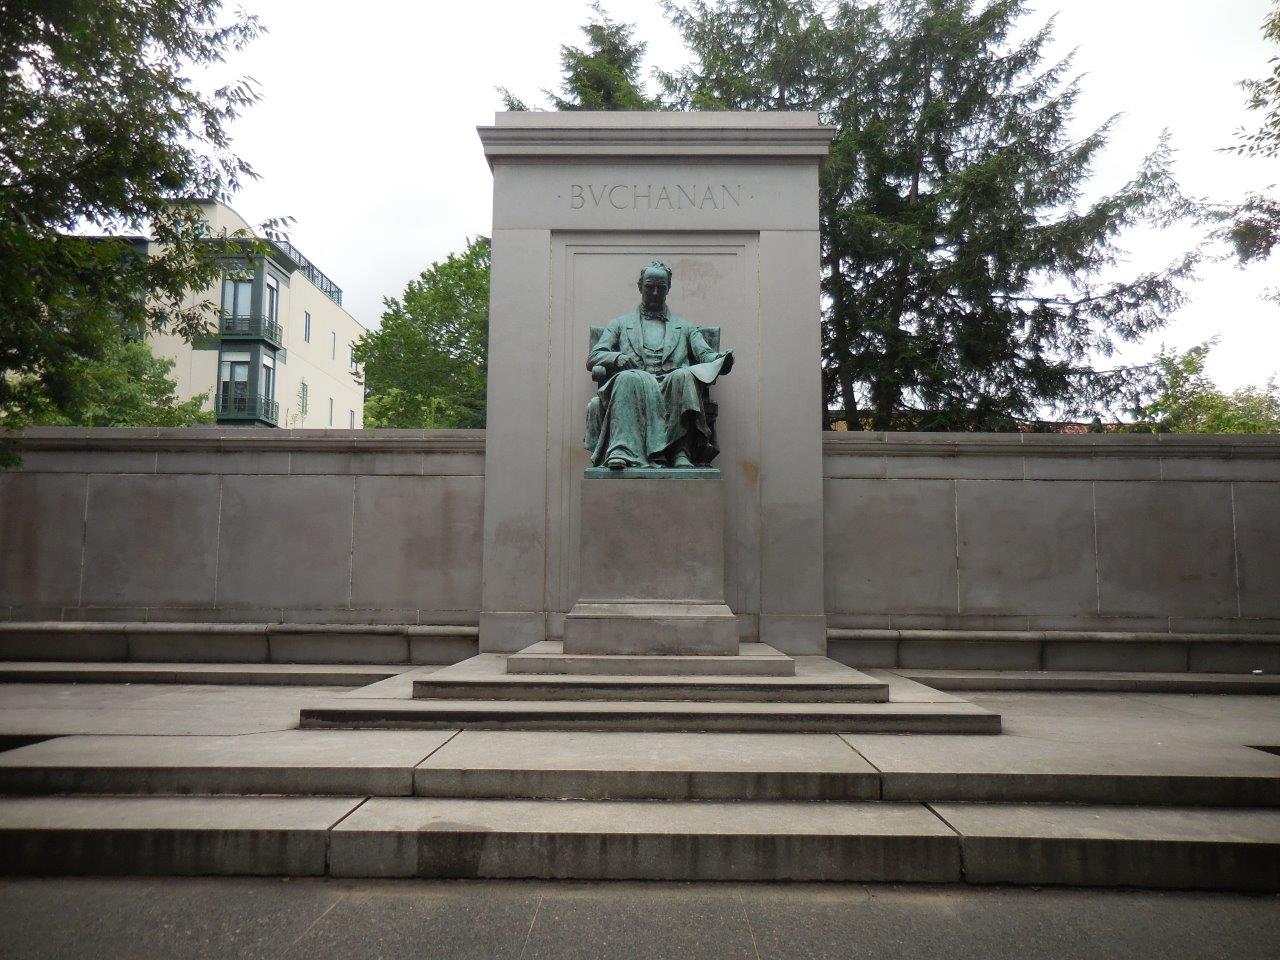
[[1174, 864], [654, 667], [163, 852], [720, 693], [797, 785], [338, 719], [231, 781], [649, 785], [592, 856]]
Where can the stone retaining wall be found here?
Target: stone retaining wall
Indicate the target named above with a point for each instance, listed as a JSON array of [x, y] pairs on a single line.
[[1129, 533], [977, 532], [245, 526]]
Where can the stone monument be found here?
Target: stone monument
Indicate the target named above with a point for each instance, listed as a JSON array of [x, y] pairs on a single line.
[[652, 550], [729, 201]]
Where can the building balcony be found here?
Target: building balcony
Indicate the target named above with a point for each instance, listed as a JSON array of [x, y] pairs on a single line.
[[246, 408], [252, 327]]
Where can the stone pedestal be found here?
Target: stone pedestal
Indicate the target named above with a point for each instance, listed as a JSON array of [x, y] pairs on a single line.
[[652, 575]]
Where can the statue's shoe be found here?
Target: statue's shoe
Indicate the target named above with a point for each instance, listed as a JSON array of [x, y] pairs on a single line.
[[681, 461], [615, 463]]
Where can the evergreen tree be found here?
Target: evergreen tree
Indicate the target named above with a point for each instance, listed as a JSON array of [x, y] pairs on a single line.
[[966, 284], [604, 76], [424, 367]]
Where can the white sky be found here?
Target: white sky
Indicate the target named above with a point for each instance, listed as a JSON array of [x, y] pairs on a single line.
[[366, 131]]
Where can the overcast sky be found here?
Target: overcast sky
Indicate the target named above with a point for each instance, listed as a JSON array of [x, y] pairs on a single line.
[[366, 130]]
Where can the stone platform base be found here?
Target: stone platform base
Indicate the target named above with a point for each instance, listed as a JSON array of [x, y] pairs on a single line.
[[651, 629], [751, 660]]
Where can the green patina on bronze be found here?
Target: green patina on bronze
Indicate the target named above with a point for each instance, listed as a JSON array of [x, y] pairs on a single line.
[[652, 409]]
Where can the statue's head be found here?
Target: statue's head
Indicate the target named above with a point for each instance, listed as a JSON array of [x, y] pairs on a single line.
[[654, 284]]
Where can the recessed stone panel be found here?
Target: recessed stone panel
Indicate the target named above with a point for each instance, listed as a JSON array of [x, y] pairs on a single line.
[[151, 539], [418, 542], [1165, 549], [1257, 516], [890, 546], [286, 540], [42, 532], [1026, 547]]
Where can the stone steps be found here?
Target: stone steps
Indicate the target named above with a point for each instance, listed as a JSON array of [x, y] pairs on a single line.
[[352, 713], [753, 659], [812, 680], [232, 674], [1170, 847], [646, 766], [1102, 682]]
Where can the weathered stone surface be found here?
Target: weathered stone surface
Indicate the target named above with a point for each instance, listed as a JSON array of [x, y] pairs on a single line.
[[643, 766], [286, 537], [1118, 846], [42, 529], [752, 659], [890, 546], [1166, 548], [1041, 530], [627, 840], [166, 835], [417, 542], [298, 762], [151, 539]]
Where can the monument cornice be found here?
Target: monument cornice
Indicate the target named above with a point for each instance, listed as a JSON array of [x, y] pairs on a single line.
[[642, 135]]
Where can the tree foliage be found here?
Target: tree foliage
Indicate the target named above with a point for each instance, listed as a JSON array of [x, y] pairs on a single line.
[[603, 76], [1263, 95], [1186, 400], [424, 367], [124, 386], [101, 130], [967, 282]]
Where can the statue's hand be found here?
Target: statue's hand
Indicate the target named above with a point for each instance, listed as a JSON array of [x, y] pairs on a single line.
[[728, 362], [624, 362]]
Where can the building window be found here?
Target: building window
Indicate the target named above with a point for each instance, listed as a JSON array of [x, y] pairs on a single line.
[[306, 327], [331, 411], [267, 377], [333, 346], [233, 382], [351, 356], [352, 419], [273, 300], [237, 297]]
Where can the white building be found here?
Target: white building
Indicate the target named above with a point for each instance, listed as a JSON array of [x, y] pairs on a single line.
[[282, 353]]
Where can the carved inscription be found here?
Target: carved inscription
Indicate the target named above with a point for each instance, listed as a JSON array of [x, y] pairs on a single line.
[[655, 196]]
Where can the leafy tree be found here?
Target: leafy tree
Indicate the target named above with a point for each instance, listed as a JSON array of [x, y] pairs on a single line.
[[604, 76], [125, 386], [966, 284], [424, 367], [1251, 228], [102, 131], [1187, 401]]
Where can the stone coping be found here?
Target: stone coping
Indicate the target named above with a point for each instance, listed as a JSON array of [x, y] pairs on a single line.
[[211, 627], [836, 443], [246, 439]]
